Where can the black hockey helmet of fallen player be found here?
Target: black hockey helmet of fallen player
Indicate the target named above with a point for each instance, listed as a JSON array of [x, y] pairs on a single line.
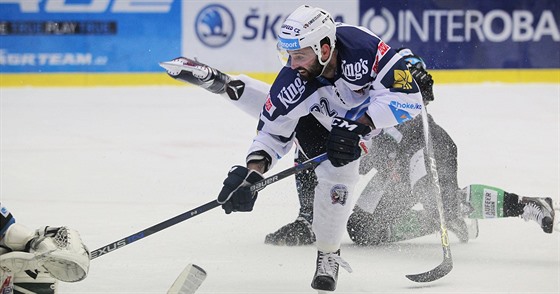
[[412, 60]]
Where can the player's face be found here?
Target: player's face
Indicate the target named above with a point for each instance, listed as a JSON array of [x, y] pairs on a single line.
[[305, 62]]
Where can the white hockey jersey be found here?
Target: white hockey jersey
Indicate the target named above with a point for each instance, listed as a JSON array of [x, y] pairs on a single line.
[[370, 78]]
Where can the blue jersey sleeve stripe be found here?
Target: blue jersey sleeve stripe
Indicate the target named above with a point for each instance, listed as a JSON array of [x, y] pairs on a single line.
[[357, 112]]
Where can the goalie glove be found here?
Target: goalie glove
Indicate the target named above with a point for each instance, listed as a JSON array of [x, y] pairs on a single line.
[[200, 74], [61, 252]]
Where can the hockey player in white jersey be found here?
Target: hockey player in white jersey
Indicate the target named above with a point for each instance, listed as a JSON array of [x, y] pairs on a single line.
[[32, 261], [247, 94], [384, 211], [352, 83]]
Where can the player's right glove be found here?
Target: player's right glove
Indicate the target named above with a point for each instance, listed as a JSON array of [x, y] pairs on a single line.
[[424, 81], [236, 194], [343, 142]]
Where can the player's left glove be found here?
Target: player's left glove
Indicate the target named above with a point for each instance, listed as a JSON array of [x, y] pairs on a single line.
[[343, 142], [425, 82], [236, 194]]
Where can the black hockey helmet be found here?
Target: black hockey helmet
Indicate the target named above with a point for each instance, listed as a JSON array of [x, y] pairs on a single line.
[[412, 60]]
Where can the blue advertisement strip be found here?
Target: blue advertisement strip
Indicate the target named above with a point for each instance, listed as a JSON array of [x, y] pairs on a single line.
[[470, 34], [88, 35]]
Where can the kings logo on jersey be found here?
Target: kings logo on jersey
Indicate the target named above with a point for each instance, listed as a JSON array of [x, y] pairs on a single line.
[[355, 71], [292, 93]]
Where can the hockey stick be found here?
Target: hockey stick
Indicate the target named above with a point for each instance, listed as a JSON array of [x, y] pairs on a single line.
[[313, 162], [188, 281], [447, 264]]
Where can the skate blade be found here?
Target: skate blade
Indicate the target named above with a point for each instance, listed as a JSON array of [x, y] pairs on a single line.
[[472, 227], [176, 66], [171, 65]]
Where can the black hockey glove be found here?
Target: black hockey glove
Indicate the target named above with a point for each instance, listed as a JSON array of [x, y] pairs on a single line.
[[235, 194], [425, 82], [343, 141]]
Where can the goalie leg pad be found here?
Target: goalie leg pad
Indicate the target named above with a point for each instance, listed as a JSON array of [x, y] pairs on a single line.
[[37, 282], [6, 282], [61, 252], [17, 261], [18, 236]]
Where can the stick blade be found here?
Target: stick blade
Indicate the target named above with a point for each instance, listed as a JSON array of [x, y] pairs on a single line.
[[189, 280], [435, 274]]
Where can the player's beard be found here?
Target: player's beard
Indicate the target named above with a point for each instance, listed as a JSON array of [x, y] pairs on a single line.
[[312, 72]]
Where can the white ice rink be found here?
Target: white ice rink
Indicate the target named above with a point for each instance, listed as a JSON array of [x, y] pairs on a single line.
[[113, 161]]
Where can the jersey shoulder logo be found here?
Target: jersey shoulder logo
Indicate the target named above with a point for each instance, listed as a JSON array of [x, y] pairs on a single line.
[[403, 79]]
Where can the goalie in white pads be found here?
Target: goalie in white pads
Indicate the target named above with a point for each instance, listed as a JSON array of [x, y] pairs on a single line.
[[32, 261]]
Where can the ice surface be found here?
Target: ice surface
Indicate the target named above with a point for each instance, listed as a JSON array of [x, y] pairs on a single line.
[[113, 161]]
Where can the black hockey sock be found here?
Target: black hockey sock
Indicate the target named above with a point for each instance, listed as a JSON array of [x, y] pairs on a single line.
[[306, 181]]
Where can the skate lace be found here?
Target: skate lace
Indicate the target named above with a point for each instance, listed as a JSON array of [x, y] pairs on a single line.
[[328, 264], [532, 211]]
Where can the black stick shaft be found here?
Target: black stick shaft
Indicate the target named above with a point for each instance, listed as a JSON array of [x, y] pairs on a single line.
[[311, 163]]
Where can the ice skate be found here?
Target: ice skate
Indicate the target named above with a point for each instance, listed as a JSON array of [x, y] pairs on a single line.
[[540, 210], [207, 77], [326, 274], [471, 224], [459, 228], [296, 233]]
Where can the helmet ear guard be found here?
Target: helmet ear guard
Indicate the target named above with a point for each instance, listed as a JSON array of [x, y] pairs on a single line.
[[307, 26]]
